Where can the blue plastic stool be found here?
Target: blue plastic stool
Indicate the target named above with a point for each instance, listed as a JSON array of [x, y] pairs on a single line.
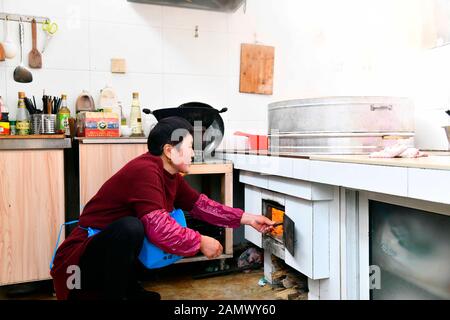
[[151, 256]]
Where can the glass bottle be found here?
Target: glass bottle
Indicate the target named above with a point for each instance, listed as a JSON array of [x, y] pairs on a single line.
[[63, 117], [136, 117], [22, 117], [123, 118]]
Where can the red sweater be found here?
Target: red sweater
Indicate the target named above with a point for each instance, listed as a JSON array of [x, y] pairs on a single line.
[[142, 189]]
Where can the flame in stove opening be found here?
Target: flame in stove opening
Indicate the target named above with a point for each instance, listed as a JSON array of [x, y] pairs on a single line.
[[277, 216]]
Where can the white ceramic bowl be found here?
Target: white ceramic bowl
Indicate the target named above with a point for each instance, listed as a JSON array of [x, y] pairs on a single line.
[[125, 131]]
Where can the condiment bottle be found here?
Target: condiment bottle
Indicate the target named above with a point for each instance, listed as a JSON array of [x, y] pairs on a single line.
[[12, 127], [63, 117], [135, 117], [22, 117]]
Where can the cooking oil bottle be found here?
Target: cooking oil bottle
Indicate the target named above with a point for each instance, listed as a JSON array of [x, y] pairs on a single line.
[[23, 117], [136, 117], [63, 117]]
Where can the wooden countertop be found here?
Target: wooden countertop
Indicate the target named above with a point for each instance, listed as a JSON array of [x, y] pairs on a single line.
[[440, 162]]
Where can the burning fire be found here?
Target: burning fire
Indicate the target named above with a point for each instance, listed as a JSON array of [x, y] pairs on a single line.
[[277, 216]]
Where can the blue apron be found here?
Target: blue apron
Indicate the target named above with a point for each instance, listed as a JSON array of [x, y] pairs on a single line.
[[150, 256]]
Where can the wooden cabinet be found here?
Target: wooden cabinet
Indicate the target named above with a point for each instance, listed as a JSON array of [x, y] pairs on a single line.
[[31, 211], [99, 160]]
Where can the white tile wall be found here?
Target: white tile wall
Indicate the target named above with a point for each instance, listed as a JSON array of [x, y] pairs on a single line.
[[185, 54], [187, 19], [125, 12], [317, 53], [179, 89], [139, 45], [67, 9]]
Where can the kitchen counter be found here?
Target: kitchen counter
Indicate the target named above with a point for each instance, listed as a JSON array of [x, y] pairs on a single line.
[[421, 178], [439, 162], [114, 140], [33, 142]]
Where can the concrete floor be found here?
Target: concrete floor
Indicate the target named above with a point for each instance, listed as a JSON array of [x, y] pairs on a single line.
[[238, 286], [176, 283]]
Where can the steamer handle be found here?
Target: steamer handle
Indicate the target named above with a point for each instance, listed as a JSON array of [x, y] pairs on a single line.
[[381, 107]]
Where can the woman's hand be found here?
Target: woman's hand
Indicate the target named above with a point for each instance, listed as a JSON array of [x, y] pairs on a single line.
[[210, 247], [259, 222]]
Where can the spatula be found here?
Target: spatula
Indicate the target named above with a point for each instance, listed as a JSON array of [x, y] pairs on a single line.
[[22, 74], [34, 57]]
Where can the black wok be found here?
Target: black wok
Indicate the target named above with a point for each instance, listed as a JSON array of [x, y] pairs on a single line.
[[213, 127], [191, 111]]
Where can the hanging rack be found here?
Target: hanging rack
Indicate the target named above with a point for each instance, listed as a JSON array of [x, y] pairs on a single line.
[[25, 18]]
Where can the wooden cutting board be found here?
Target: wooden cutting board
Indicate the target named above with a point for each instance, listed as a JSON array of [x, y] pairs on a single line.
[[256, 69]]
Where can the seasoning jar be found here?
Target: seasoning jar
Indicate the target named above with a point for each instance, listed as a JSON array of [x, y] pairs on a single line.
[[12, 127]]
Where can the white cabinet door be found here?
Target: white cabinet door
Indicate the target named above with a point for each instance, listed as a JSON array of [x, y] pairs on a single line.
[[311, 255], [253, 204]]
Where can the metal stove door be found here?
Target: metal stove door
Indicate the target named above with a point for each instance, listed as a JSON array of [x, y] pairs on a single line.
[[289, 235]]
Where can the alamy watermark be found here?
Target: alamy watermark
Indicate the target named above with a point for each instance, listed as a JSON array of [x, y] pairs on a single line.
[[374, 277]]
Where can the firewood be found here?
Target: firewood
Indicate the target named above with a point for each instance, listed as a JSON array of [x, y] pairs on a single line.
[[284, 294]]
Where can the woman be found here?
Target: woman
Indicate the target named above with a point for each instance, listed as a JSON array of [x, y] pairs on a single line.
[[133, 204]]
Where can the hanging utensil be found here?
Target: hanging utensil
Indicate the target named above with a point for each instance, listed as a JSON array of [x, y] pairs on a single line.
[[50, 29], [22, 74], [9, 46], [34, 57]]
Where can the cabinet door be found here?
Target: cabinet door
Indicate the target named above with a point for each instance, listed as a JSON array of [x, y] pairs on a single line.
[[253, 204], [31, 212], [99, 162]]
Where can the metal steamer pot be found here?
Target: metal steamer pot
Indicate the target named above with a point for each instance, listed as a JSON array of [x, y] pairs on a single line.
[[212, 126], [340, 125]]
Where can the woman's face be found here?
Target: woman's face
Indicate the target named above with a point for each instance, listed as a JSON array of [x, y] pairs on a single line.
[[182, 154]]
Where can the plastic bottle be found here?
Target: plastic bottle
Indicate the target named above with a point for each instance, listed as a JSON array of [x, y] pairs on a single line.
[[136, 117], [22, 117], [63, 117]]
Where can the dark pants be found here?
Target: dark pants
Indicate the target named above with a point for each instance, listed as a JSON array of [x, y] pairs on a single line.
[[110, 262]]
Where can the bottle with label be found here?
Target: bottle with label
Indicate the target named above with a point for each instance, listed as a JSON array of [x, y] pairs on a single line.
[[12, 127], [23, 117], [135, 117], [63, 117]]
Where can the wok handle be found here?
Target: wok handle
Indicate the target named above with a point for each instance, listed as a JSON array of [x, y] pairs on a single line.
[[223, 110], [147, 111]]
